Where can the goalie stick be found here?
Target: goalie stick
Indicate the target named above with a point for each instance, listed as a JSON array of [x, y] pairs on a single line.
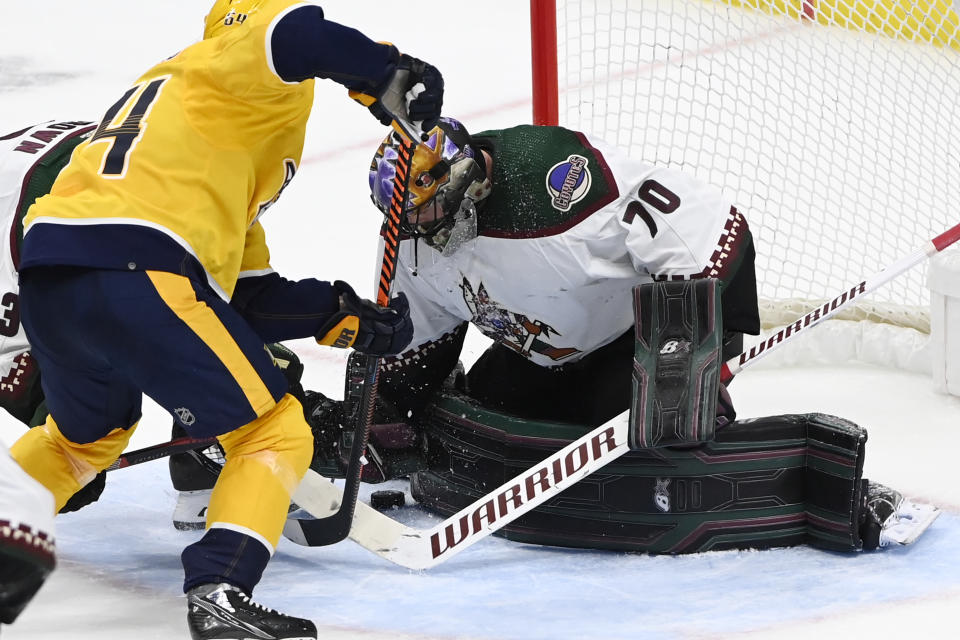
[[424, 548], [734, 365]]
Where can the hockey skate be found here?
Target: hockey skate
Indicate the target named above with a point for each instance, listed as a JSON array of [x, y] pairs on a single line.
[[190, 512], [223, 612], [193, 475], [891, 520], [26, 537]]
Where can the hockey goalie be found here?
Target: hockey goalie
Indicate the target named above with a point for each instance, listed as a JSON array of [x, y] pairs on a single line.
[[604, 284]]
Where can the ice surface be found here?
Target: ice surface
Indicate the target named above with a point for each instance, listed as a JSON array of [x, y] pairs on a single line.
[[119, 573]]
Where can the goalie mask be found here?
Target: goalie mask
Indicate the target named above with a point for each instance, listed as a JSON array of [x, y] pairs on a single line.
[[228, 13], [448, 181]]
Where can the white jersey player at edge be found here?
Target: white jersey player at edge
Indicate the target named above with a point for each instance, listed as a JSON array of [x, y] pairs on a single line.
[[27, 547], [29, 157], [30, 160]]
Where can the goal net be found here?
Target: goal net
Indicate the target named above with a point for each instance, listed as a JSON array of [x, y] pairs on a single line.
[[831, 123]]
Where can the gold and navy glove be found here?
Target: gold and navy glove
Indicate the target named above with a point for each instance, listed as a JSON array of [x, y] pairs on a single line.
[[366, 326], [413, 93]]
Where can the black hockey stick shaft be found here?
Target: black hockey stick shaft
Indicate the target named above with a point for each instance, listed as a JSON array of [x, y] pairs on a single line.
[[162, 450], [336, 527]]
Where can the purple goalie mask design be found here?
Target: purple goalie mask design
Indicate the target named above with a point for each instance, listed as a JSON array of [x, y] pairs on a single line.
[[446, 144]]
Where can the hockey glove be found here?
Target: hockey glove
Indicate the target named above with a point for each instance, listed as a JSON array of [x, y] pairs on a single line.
[[412, 93], [292, 368], [87, 494], [366, 326]]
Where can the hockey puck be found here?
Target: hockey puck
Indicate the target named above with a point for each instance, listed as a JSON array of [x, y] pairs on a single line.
[[386, 499]]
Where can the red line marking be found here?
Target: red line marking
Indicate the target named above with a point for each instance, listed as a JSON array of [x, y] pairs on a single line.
[[526, 101]]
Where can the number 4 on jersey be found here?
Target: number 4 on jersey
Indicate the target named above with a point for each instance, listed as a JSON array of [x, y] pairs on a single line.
[[123, 138]]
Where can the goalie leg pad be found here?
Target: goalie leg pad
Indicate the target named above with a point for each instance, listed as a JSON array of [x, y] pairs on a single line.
[[393, 449], [676, 373], [833, 487], [766, 482]]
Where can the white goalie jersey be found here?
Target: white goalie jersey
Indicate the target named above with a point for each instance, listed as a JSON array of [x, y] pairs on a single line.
[[571, 226], [30, 159]]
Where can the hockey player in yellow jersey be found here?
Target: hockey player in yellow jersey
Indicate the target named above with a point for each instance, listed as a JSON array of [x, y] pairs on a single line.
[[146, 270], [206, 140]]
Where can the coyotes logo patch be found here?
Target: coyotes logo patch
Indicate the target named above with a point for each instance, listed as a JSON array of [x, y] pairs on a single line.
[[568, 182], [513, 330]]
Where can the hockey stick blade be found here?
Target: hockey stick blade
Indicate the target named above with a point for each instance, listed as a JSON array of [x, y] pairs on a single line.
[[333, 524], [425, 548]]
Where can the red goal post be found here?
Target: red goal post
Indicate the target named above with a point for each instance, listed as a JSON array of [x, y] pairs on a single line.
[[825, 120], [543, 44]]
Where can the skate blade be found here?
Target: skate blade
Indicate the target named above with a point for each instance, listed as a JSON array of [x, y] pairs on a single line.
[[913, 520]]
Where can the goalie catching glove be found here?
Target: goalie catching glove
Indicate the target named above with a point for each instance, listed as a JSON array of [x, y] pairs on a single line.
[[412, 92], [366, 326]]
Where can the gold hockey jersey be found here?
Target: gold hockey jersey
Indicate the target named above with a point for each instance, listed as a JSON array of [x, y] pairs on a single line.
[[182, 165]]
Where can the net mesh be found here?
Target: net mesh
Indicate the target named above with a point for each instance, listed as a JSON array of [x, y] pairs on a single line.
[[831, 126]]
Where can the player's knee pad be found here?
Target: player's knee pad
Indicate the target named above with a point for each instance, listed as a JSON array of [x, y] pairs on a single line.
[[280, 440], [270, 454], [63, 466]]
